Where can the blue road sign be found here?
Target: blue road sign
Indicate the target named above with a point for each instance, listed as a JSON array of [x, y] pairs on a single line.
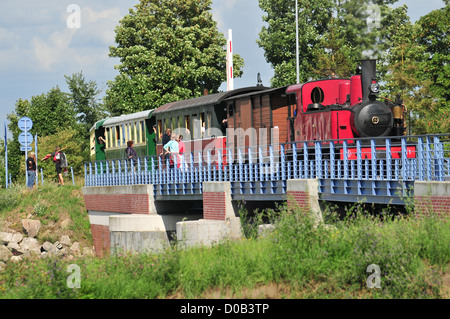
[[28, 137], [25, 123], [25, 148]]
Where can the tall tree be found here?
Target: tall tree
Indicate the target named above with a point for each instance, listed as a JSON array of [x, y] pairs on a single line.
[[333, 36], [84, 95], [49, 111], [417, 68], [168, 50], [278, 37], [435, 71]]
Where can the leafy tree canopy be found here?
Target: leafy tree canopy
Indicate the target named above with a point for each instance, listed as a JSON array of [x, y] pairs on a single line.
[[168, 50], [83, 96], [417, 69], [333, 36]]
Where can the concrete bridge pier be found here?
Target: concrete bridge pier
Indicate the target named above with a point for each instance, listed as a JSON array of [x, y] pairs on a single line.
[[127, 218], [220, 218]]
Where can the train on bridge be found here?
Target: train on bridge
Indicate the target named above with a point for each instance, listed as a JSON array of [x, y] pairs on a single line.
[[329, 109]]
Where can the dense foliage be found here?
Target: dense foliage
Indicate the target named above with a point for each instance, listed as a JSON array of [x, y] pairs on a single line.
[[333, 36], [169, 50]]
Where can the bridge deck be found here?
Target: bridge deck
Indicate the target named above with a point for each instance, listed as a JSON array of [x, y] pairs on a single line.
[[381, 170]]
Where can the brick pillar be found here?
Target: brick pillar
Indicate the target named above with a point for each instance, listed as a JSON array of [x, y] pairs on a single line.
[[217, 204], [432, 197], [131, 199], [100, 232], [105, 201], [303, 194]]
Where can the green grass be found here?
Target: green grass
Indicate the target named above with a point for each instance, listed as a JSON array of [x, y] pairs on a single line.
[[306, 260]]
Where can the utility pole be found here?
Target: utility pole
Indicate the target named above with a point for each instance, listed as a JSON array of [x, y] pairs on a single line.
[[296, 40]]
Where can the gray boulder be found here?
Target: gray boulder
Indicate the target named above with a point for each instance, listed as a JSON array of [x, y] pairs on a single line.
[[31, 227], [5, 254]]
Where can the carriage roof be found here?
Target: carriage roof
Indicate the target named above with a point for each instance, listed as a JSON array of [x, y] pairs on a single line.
[[210, 99]]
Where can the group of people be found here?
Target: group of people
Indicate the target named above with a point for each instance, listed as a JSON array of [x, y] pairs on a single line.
[[31, 167], [173, 148]]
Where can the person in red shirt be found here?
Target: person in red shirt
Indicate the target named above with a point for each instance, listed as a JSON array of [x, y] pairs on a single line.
[[181, 151], [56, 156]]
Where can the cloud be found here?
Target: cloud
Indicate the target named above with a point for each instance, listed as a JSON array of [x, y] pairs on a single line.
[[53, 51], [50, 46], [99, 24]]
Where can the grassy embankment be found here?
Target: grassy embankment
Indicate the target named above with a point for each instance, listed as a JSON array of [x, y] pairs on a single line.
[[297, 260]]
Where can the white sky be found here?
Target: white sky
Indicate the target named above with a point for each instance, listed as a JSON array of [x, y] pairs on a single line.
[[37, 48]]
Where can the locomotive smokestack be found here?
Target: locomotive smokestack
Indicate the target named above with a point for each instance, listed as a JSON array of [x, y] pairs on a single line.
[[369, 70]]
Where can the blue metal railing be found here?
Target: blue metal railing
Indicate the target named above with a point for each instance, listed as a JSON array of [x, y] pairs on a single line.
[[264, 170]]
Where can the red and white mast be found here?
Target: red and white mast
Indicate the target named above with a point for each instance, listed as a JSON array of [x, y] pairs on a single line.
[[229, 62]]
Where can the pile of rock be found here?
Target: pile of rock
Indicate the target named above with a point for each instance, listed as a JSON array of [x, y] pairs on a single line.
[[14, 246]]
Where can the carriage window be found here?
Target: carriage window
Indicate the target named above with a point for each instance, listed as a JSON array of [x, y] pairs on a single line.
[[107, 138], [133, 134], [202, 125], [124, 137], [138, 132], [208, 120], [118, 142], [143, 137], [188, 127], [166, 124], [159, 129]]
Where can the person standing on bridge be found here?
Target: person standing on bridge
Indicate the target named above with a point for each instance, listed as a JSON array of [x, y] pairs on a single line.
[[171, 148], [181, 151], [166, 139], [131, 153]]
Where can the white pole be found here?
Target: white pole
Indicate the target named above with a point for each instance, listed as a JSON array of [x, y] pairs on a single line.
[[229, 62], [296, 40]]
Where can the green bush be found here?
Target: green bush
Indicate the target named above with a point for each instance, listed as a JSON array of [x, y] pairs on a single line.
[[10, 197]]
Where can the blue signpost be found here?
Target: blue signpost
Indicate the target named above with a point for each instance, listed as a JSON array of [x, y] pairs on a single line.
[[25, 139]]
